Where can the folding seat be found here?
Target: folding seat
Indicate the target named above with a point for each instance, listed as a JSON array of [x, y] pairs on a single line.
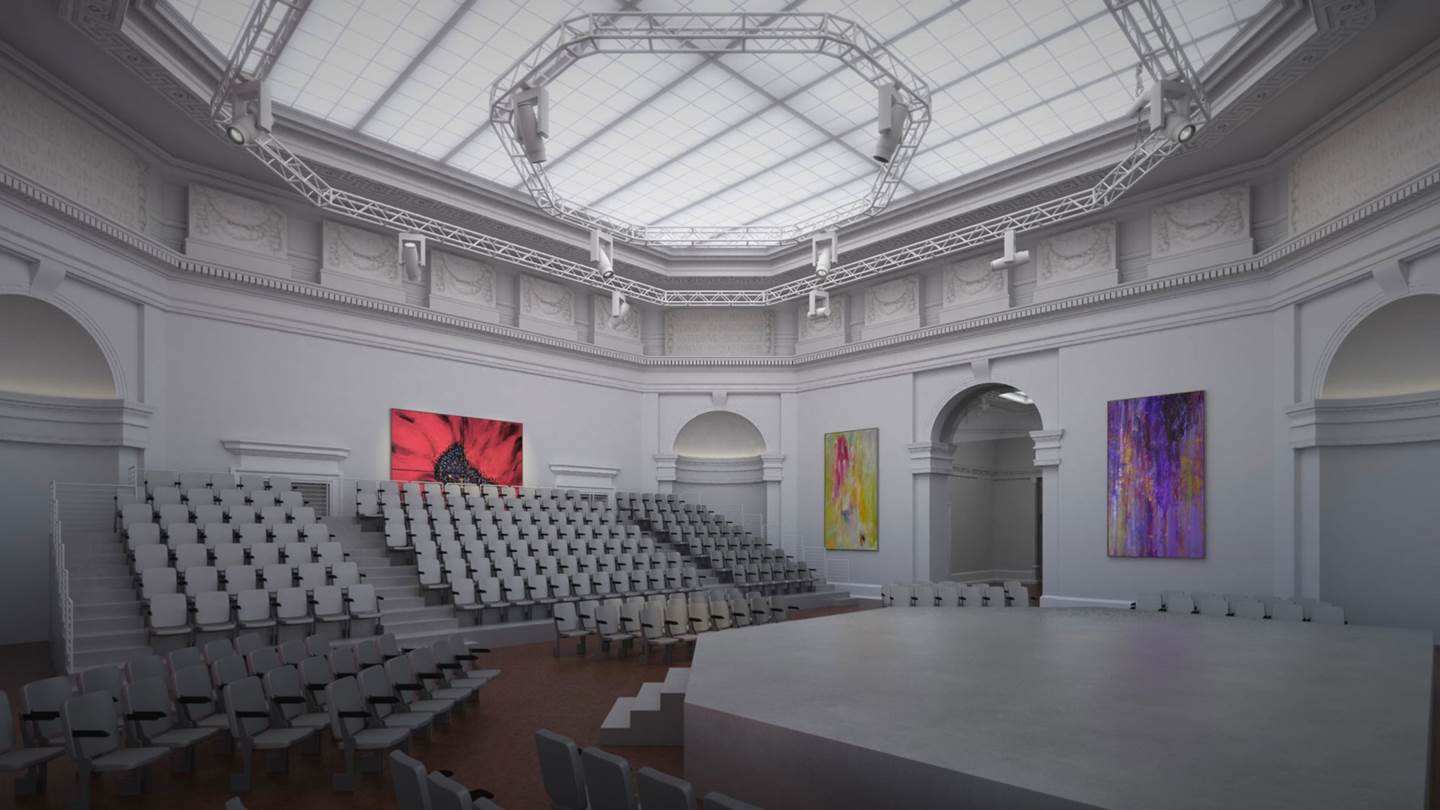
[[201, 579], [367, 504], [159, 496], [263, 555], [561, 771], [263, 660], [1180, 605], [947, 594], [292, 609], [922, 595], [1287, 612], [292, 500], [212, 612], [252, 728], [526, 566], [386, 706], [199, 496], [502, 566], [252, 611], [465, 532], [158, 580], [240, 578], [230, 496], [208, 513], [425, 549], [132, 513], [970, 595], [242, 515], [1244, 607], [304, 516], [345, 574], [227, 555], [1326, 613], [396, 538], [279, 483], [611, 626], [1214, 606], [168, 614], [261, 498], [312, 576], [328, 604], [344, 661], [216, 533], [720, 616], [314, 532], [431, 578], [298, 552], [759, 606], [513, 587], [580, 584], [144, 537], [273, 515], [286, 693], [739, 609], [415, 696], [464, 598], [172, 513], [608, 781], [93, 741], [349, 726], [249, 482], [33, 759], [248, 643]]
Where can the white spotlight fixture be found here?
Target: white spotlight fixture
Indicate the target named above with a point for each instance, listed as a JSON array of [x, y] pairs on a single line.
[[819, 305], [412, 256], [619, 306], [1011, 256], [1168, 104], [250, 114], [891, 117], [532, 122], [824, 248], [602, 252]]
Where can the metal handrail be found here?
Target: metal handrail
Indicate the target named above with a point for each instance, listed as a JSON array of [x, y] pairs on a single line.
[[64, 605]]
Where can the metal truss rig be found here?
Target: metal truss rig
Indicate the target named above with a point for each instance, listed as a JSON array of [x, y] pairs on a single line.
[[711, 35], [1146, 155]]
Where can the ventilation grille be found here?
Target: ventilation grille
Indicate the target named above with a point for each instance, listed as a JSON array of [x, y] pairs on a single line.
[[316, 494]]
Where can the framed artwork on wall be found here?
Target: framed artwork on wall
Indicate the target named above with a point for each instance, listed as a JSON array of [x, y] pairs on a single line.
[[427, 446], [852, 490], [1156, 481]]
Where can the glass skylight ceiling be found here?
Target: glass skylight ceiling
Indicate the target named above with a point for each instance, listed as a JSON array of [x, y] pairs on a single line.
[[736, 140]]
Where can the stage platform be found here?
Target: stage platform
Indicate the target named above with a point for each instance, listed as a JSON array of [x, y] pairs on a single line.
[[1060, 708]]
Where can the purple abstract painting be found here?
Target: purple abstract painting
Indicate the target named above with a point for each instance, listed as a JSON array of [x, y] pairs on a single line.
[[1156, 462]]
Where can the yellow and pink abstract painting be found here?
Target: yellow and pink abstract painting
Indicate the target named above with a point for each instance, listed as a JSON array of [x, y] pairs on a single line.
[[852, 487], [1156, 462]]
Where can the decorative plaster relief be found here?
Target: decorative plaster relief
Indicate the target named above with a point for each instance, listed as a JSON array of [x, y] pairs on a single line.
[[361, 261], [49, 145], [1201, 231], [706, 332], [546, 307], [622, 334], [1076, 262], [821, 333], [892, 307], [462, 286], [971, 288], [1388, 145], [229, 229]]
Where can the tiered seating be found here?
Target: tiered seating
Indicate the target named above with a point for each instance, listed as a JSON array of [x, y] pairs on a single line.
[[213, 555], [264, 698], [721, 545], [1204, 603], [954, 594]]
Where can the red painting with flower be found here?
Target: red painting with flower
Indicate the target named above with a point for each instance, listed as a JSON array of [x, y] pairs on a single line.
[[428, 446]]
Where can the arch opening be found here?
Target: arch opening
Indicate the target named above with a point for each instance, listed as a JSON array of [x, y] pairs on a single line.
[[992, 495], [719, 435], [718, 464], [49, 353], [1394, 350]]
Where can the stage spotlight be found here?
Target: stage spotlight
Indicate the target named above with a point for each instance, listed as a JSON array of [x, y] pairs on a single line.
[[619, 306], [602, 252], [250, 114], [1167, 106], [891, 117], [532, 122], [412, 256], [824, 248], [1011, 256], [819, 305]]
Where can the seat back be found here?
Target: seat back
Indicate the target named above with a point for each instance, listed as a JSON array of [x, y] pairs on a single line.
[[106, 678], [411, 789], [315, 675], [194, 692], [263, 660], [185, 657], [246, 707], [375, 686], [44, 699], [286, 692], [146, 666], [607, 781], [149, 697], [445, 793], [344, 661], [90, 728], [661, 791], [293, 651], [561, 770]]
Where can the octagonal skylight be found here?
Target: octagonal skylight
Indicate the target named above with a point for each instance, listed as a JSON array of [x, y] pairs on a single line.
[[687, 140]]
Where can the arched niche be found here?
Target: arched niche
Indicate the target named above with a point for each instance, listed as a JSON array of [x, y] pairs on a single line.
[[718, 463], [1394, 350], [49, 353]]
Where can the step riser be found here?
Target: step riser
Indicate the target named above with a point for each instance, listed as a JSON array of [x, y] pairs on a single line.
[[424, 626], [118, 624]]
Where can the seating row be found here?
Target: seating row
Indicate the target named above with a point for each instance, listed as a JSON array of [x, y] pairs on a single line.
[[145, 551], [239, 577], [954, 594], [179, 514], [598, 780], [171, 615], [1242, 606], [476, 594], [191, 480], [661, 620]]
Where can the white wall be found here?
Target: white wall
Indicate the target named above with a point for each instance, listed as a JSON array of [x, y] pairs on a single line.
[[742, 503]]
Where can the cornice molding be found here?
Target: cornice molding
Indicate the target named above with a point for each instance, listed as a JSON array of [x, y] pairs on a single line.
[[691, 470], [309, 452], [1399, 419], [38, 419]]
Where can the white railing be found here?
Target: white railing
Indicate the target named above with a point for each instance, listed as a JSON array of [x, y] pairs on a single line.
[[62, 615]]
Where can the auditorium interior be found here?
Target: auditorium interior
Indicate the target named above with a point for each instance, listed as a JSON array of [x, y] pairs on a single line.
[[719, 404]]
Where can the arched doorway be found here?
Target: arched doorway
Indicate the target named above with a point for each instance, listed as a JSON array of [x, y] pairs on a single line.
[[993, 493], [1376, 494], [49, 353], [718, 463]]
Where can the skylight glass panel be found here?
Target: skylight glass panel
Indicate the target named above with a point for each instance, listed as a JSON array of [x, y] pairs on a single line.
[[217, 21]]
